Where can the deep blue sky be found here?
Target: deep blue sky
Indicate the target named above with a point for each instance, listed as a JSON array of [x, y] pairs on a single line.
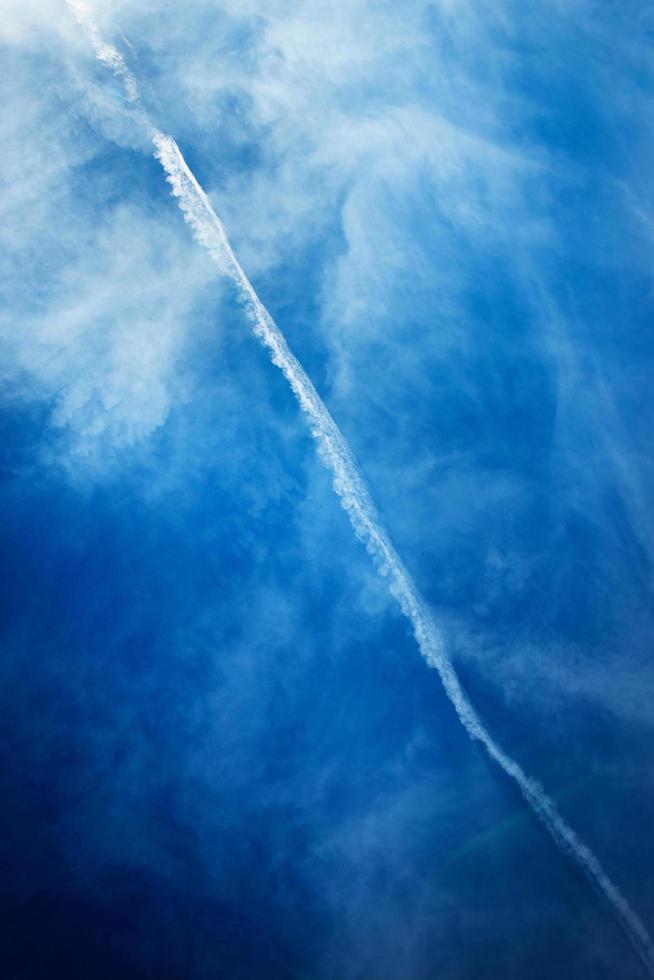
[[220, 752]]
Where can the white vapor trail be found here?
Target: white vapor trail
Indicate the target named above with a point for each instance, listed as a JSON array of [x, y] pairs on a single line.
[[106, 53], [355, 498]]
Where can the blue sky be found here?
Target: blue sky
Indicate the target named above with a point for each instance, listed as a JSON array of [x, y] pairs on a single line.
[[222, 754]]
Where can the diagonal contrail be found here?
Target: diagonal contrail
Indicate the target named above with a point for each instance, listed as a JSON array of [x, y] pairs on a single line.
[[355, 498]]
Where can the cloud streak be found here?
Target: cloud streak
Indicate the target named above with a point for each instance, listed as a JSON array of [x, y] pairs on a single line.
[[355, 499]]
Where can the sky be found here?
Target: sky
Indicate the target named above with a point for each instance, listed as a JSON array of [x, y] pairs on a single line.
[[222, 754]]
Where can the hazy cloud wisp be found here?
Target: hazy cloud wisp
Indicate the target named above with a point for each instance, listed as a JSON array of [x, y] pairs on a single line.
[[355, 498]]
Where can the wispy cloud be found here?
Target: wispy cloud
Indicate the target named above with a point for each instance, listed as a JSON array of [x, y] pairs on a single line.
[[446, 206], [348, 484]]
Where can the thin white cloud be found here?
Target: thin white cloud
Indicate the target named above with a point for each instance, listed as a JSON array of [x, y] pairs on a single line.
[[354, 497]]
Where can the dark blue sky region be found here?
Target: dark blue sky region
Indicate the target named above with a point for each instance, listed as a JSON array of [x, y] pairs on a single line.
[[221, 754]]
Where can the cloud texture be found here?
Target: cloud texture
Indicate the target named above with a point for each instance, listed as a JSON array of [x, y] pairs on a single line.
[[216, 729]]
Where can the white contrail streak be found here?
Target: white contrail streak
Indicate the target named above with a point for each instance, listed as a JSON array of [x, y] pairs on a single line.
[[356, 501], [106, 53]]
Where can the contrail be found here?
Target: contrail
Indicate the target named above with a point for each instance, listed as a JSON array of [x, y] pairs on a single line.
[[106, 53], [355, 499]]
